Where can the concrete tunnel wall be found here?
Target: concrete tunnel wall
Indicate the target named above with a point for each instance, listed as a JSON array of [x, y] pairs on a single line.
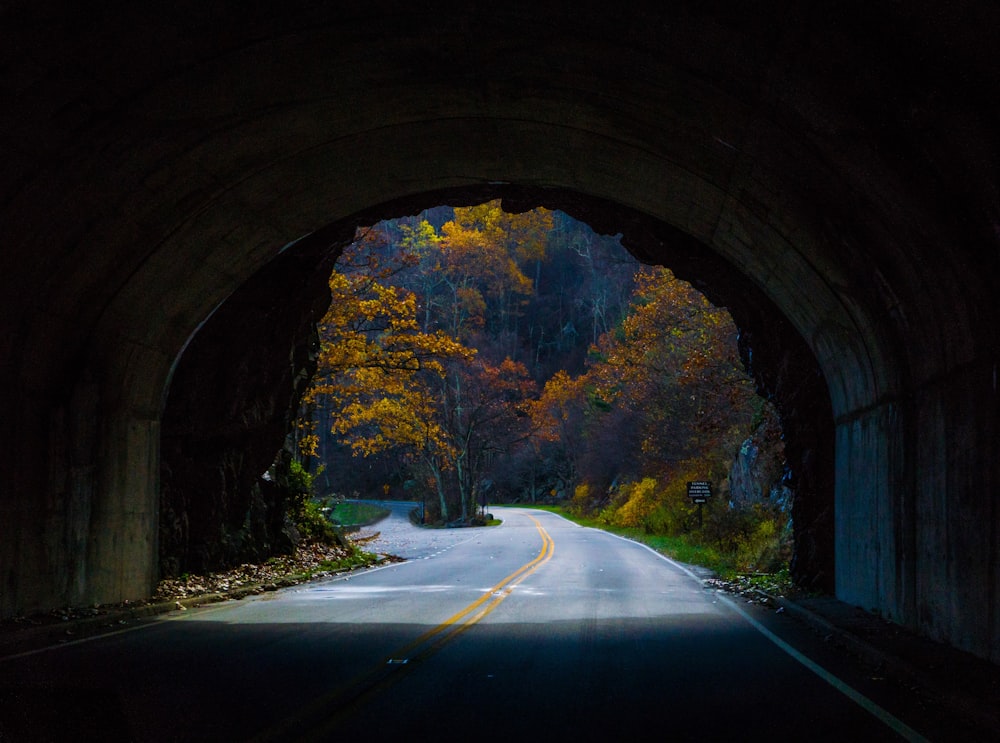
[[847, 167]]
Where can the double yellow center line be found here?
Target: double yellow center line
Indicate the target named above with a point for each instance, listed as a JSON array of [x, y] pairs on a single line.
[[458, 623], [329, 709]]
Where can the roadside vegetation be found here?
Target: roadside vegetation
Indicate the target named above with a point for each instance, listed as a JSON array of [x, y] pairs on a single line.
[[323, 546], [695, 548], [349, 513], [321, 522]]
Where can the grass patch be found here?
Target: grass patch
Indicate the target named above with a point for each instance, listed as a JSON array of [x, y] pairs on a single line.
[[357, 514], [357, 559], [779, 583], [682, 548]]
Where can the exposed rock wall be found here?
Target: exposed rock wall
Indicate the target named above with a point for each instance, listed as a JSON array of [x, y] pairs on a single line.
[[757, 473], [233, 396]]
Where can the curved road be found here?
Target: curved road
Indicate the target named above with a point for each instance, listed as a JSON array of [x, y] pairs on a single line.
[[537, 629]]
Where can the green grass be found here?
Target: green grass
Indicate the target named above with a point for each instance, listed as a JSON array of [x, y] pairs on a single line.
[[775, 583], [682, 548], [357, 514], [358, 558]]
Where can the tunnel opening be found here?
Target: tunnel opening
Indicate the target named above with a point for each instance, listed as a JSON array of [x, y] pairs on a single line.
[[235, 390]]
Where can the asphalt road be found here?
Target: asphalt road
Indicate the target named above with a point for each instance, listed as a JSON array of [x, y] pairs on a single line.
[[537, 629]]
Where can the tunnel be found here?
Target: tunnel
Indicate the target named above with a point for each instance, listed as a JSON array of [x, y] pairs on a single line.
[[831, 176]]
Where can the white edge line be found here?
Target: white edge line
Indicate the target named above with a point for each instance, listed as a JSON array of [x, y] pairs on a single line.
[[80, 641], [850, 692], [175, 615]]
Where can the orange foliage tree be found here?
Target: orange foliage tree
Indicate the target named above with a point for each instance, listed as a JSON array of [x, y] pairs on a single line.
[[675, 361], [665, 397], [473, 274], [391, 385], [377, 366]]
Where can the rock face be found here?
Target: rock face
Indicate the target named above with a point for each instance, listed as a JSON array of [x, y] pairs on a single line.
[[232, 399], [787, 373], [748, 484]]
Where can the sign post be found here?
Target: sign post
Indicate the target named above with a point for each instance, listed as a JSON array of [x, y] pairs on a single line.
[[699, 491]]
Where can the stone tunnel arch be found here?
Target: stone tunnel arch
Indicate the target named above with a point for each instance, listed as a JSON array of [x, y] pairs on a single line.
[[677, 219], [220, 430], [852, 185]]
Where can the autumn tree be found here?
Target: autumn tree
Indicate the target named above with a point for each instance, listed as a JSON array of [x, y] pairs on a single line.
[[392, 386], [559, 416], [422, 242], [473, 275], [376, 364], [675, 357], [451, 419], [484, 410]]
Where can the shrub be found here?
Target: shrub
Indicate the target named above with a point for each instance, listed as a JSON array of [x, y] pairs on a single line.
[[766, 550], [675, 514], [313, 524], [640, 502], [754, 536], [306, 514], [580, 502]]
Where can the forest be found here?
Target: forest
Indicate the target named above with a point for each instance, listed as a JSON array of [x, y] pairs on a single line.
[[472, 356]]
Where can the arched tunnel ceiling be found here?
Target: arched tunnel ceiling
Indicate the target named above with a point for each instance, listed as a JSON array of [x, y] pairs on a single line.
[[188, 169]]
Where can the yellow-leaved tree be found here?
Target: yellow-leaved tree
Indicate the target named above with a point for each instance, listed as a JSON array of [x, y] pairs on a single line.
[[390, 385], [474, 274], [378, 370]]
